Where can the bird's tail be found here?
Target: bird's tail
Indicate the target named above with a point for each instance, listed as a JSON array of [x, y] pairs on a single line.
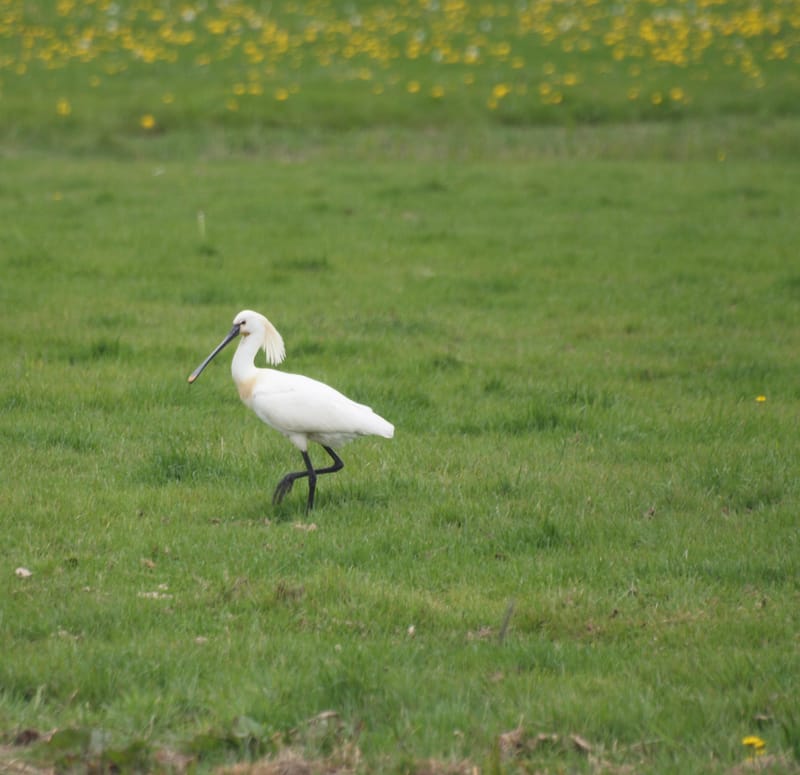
[[381, 427], [388, 430]]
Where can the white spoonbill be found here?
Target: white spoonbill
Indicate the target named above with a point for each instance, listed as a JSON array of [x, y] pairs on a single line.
[[301, 408]]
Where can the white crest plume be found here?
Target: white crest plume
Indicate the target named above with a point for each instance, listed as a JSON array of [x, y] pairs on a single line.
[[273, 343]]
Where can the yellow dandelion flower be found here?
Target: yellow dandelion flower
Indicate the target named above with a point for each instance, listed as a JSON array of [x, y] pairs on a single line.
[[778, 50], [656, 98], [239, 89], [676, 94], [147, 121], [412, 87], [437, 91], [761, 400], [63, 108], [570, 79], [633, 93], [500, 90], [281, 94], [754, 742]]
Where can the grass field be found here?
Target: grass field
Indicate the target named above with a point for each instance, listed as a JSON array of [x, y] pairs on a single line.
[[580, 553]]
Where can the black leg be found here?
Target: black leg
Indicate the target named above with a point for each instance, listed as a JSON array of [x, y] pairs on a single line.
[[338, 465], [312, 476], [312, 482], [285, 485]]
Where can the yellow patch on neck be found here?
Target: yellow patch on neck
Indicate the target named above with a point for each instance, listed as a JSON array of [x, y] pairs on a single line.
[[246, 387]]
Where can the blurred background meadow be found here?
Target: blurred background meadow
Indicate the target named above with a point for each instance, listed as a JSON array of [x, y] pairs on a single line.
[[104, 68], [554, 242]]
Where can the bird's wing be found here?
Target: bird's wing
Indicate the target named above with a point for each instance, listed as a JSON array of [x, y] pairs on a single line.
[[296, 404]]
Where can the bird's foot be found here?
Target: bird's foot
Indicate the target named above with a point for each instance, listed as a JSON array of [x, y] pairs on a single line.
[[283, 489]]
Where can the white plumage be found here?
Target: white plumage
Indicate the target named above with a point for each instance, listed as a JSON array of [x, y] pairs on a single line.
[[300, 408], [306, 410]]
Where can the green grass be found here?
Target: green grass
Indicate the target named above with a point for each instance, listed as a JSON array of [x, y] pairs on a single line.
[[584, 534], [571, 351]]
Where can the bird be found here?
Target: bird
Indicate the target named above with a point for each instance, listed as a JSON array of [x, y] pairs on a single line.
[[300, 408]]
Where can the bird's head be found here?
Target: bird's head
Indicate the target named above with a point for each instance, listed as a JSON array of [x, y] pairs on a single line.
[[248, 323]]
